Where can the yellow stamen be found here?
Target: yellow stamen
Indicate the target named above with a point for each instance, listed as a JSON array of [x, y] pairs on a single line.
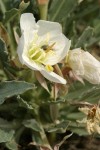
[[50, 47], [49, 68]]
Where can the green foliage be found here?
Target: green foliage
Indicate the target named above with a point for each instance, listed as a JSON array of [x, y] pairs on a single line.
[[60, 10], [6, 136], [10, 15], [32, 124], [11, 88], [84, 38]]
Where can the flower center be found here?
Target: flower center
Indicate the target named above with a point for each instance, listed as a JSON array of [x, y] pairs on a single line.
[[40, 52]]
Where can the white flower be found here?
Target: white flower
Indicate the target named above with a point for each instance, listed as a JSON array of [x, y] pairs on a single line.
[[42, 45], [84, 65], [92, 119]]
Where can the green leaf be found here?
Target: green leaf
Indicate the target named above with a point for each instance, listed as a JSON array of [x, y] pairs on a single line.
[[97, 27], [76, 91], [84, 38], [75, 116], [32, 108], [91, 8], [79, 129], [33, 124], [58, 128], [6, 135], [40, 139], [11, 88], [11, 14], [4, 124], [23, 103], [61, 9], [12, 145], [88, 92]]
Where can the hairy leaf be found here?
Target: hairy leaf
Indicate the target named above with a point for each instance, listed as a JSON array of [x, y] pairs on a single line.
[[11, 88], [84, 38], [33, 124], [11, 14], [61, 9], [6, 135]]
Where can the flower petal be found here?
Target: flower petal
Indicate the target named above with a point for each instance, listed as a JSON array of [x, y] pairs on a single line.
[[31, 64], [91, 67], [27, 22], [53, 77], [48, 26], [74, 60], [90, 60], [28, 27], [92, 75], [61, 47]]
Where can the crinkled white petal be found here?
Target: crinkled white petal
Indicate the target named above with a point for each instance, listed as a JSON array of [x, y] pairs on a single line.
[[85, 65], [85, 110], [91, 67], [27, 22], [53, 77], [89, 60], [47, 27], [75, 61], [93, 76]]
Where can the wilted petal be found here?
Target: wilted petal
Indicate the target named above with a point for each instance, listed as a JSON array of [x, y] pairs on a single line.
[[75, 61], [92, 68], [92, 76], [85, 110], [41, 80], [90, 60], [84, 65]]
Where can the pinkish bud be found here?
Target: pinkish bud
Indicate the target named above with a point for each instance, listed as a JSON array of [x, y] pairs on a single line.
[[42, 2]]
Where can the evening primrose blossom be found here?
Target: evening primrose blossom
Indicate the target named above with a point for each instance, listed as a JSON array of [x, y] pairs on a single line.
[[41, 46], [84, 65]]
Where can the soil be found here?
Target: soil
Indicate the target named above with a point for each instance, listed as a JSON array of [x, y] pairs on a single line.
[[75, 142], [81, 143]]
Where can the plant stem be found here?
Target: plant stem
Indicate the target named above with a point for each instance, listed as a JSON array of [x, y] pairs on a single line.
[[11, 36], [43, 11], [54, 112], [43, 8]]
